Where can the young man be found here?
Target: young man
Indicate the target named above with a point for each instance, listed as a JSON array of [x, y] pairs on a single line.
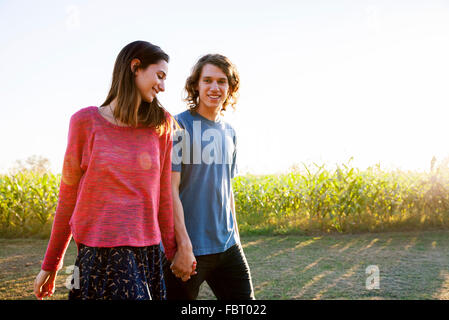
[[204, 162]]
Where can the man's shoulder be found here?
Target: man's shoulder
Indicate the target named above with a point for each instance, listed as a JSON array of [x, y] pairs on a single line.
[[186, 118], [183, 116], [228, 127], [227, 124]]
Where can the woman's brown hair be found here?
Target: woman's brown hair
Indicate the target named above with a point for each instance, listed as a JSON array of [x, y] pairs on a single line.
[[226, 66], [131, 109]]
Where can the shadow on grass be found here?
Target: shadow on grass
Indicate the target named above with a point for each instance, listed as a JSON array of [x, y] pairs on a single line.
[[412, 265]]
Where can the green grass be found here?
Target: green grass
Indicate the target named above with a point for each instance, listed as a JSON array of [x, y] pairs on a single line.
[[413, 265]]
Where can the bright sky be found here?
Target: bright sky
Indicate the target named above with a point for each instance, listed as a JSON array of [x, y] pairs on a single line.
[[322, 80]]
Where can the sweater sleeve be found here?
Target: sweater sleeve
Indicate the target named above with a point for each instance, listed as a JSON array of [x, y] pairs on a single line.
[[71, 175], [165, 217]]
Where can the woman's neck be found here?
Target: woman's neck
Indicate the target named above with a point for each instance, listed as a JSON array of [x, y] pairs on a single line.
[[108, 113]]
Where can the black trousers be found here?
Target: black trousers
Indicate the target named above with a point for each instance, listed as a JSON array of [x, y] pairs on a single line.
[[227, 274]]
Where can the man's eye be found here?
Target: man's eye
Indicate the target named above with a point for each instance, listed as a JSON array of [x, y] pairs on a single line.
[[206, 80]]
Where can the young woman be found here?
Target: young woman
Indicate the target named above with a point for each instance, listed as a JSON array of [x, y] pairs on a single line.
[[115, 194]]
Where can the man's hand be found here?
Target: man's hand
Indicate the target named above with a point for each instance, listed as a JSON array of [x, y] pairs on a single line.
[[184, 264]]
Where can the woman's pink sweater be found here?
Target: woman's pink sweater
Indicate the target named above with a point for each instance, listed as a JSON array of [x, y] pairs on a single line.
[[115, 188]]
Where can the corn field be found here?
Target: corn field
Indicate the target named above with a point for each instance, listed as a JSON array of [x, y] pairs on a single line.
[[27, 203], [314, 199], [342, 200]]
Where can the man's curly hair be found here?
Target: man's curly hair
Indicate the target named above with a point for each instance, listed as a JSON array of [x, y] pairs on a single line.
[[226, 66]]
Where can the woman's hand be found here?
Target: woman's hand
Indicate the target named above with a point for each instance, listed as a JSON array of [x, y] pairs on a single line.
[[44, 285]]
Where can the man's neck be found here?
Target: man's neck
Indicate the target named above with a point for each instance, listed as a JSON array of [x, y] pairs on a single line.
[[211, 114]]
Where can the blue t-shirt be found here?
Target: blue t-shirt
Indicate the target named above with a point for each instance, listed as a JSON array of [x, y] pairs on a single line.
[[204, 152]]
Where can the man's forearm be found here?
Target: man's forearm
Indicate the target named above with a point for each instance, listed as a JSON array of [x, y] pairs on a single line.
[[184, 262], [182, 237]]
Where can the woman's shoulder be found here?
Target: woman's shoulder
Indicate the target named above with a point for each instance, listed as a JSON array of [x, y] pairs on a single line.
[[170, 120], [83, 116], [85, 112], [168, 115]]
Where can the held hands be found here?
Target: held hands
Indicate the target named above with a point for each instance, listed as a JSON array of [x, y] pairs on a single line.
[[44, 285], [184, 264]]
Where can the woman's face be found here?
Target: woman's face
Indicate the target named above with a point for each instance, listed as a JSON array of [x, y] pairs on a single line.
[[150, 81]]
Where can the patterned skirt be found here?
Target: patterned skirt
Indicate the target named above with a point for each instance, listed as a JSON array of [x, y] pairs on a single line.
[[119, 273]]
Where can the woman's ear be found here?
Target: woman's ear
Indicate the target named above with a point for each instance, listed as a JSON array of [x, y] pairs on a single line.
[[135, 63]]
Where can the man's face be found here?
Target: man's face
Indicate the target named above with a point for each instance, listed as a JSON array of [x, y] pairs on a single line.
[[213, 87]]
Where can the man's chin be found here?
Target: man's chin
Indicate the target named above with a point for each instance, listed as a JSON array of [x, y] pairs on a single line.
[[213, 106]]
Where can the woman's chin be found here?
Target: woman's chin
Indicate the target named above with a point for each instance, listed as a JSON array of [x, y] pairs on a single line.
[[148, 99]]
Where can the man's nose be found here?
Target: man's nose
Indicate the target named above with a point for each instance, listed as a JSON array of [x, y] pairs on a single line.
[[214, 85]]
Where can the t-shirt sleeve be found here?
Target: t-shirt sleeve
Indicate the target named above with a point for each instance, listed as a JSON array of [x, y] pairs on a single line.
[[71, 175]]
